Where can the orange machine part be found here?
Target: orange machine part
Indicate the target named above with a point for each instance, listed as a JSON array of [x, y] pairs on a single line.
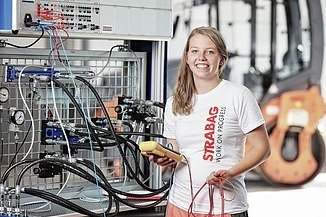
[[115, 168], [109, 106], [305, 165]]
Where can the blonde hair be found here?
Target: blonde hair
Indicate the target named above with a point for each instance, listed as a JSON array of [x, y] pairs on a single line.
[[185, 88]]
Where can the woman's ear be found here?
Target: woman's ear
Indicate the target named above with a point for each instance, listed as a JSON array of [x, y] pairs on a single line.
[[221, 62]]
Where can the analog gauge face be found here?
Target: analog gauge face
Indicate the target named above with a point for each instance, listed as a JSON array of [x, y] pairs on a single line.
[[4, 94], [18, 117]]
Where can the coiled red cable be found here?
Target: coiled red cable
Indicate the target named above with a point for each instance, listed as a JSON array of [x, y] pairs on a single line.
[[210, 195]]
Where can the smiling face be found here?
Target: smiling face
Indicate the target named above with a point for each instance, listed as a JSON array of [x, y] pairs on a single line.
[[204, 59]]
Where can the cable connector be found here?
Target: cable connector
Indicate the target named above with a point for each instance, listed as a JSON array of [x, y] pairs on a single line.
[[3, 42], [28, 21], [123, 48]]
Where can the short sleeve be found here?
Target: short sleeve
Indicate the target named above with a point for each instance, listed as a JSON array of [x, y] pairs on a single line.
[[169, 120], [249, 112]]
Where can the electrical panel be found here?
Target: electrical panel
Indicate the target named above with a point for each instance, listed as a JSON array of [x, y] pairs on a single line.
[[90, 113], [123, 19]]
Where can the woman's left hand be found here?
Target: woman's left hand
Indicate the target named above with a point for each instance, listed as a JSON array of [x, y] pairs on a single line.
[[219, 177]]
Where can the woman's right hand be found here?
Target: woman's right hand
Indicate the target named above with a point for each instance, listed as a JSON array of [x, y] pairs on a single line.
[[162, 161]]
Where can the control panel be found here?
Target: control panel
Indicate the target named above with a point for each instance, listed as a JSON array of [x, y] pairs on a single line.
[[125, 19]]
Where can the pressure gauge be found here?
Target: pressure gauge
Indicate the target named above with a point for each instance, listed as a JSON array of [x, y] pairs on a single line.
[[4, 94], [18, 117]]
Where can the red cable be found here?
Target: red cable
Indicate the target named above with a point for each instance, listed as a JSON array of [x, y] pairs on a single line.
[[211, 199], [210, 194], [220, 188]]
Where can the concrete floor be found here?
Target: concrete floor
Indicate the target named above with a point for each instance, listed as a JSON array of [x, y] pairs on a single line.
[[306, 201]]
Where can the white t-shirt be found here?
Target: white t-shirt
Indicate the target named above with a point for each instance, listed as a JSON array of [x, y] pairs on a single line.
[[212, 138]]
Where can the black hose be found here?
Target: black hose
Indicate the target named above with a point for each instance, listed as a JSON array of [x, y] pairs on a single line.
[[87, 176], [125, 160], [5, 175], [113, 191], [159, 104], [66, 203], [71, 97]]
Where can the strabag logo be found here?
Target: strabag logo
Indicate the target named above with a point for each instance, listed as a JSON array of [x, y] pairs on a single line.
[[214, 134]]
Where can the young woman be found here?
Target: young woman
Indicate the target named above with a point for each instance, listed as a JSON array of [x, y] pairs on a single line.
[[208, 120]]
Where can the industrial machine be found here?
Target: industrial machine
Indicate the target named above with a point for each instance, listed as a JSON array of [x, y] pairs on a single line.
[[72, 117], [276, 50]]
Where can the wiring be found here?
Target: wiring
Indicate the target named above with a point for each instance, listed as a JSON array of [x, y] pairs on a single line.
[[135, 165], [29, 128], [89, 129], [59, 119], [5, 175], [108, 61], [84, 174], [210, 192], [115, 136], [1, 135], [23, 142], [26, 46], [93, 134], [125, 145], [47, 203], [29, 113]]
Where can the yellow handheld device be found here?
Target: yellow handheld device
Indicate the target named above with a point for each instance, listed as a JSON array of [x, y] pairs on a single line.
[[154, 148]]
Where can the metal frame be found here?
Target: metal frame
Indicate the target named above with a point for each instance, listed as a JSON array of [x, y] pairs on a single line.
[[133, 66]]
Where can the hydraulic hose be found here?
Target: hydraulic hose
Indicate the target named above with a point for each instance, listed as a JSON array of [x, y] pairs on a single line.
[[66, 203], [71, 97], [5, 175]]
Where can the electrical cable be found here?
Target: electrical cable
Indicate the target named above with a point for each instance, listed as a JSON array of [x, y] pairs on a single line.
[[27, 46], [108, 61], [127, 144], [49, 203], [65, 203], [56, 48], [79, 110], [28, 111], [26, 134], [89, 129], [108, 118], [84, 174], [6, 173], [52, 40], [106, 134], [120, 140], [1, 136], [59, 119], [153, 135], [133, 174], [88, 124], [37, 210], [88, 164]]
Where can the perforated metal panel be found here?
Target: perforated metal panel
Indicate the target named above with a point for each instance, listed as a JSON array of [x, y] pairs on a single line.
[[122, 75]]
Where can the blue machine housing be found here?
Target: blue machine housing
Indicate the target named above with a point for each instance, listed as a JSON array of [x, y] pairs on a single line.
[[6, 15]]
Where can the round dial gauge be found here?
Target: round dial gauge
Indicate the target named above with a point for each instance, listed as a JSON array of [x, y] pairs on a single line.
[[4, 94], [18, 117]]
